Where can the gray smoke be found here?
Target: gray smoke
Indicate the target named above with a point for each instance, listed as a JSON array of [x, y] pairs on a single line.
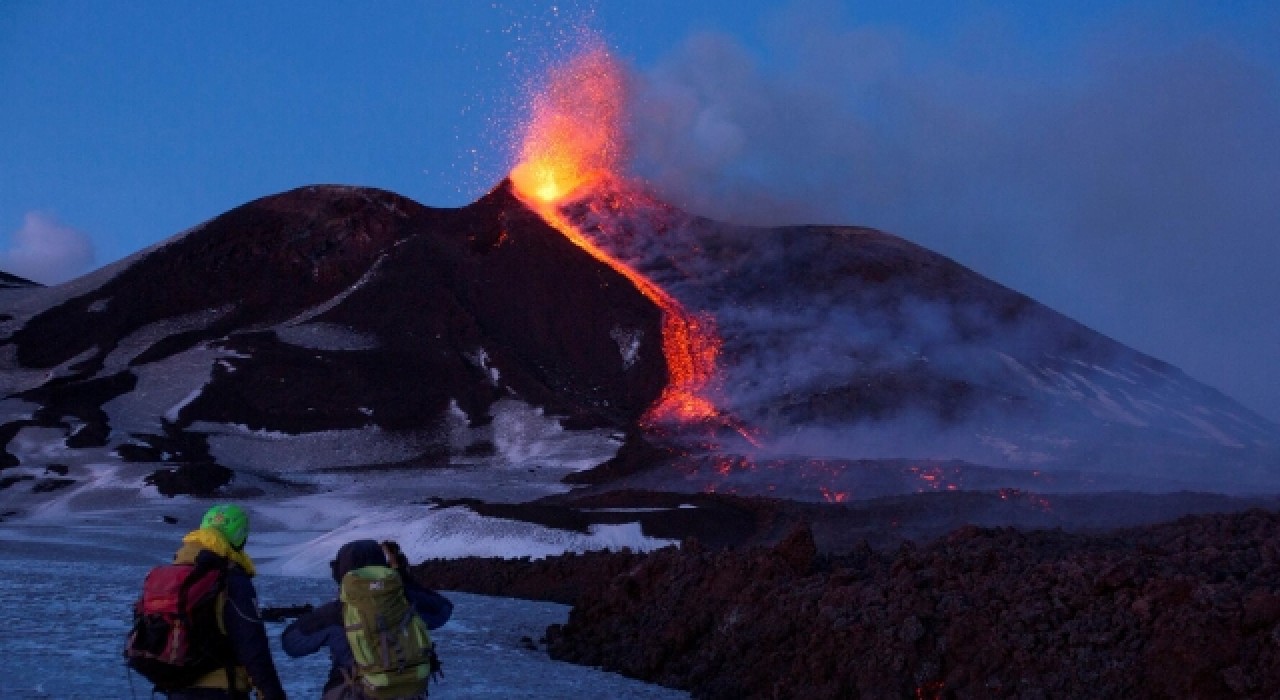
[[47, 251], [1138, 191]]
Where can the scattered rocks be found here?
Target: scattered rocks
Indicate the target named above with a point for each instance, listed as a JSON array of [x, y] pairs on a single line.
[[191, 479], [560, 579]]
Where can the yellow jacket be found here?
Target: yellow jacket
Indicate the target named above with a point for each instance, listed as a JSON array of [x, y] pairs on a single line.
[[209, 539]]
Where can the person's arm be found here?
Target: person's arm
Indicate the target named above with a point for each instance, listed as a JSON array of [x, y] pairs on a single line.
[[310, 632], [433, 608], [249, 636]]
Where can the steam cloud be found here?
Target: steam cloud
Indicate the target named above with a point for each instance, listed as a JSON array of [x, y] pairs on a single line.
[[1138, 192], [47, 251]]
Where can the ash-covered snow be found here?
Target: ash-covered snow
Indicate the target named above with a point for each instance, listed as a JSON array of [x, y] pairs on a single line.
[[337, 299], [481, 361], [239, 446], [164, 387], [628, 341], [526, 437], [300, 520], [145, 337], [443, 533], [326, 336], [65, 605]]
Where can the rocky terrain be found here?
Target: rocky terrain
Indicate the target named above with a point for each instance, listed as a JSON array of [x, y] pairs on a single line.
[[1183, 609]]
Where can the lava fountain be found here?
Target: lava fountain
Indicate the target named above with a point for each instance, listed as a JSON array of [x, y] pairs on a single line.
[[572, 144]]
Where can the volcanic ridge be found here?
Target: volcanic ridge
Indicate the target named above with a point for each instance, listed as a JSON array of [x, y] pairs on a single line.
[[852, 364]]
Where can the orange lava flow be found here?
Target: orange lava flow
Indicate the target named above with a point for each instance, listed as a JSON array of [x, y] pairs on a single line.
[[573, 142]]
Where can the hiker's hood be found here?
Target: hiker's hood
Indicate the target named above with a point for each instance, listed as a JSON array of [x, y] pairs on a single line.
[[209, 539], [357, 554]]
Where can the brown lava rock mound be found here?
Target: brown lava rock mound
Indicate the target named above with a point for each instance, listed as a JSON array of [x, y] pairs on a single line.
[[1185, 609]]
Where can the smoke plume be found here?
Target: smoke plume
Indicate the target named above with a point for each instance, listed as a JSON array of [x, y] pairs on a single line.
[[1137, 190], [47, 251]]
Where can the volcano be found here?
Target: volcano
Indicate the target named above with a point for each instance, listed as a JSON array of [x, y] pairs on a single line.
[[340, 329]]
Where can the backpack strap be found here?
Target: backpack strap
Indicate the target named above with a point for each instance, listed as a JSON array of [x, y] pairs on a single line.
[[347, 690]]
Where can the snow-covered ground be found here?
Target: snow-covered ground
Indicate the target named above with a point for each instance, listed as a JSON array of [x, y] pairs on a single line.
[[66, 593], [297, 531]]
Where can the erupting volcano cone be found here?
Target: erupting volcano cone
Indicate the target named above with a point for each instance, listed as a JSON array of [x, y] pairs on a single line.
[[571, 144]]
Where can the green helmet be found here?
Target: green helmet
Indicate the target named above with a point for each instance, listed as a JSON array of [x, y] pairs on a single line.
[[231, 521]]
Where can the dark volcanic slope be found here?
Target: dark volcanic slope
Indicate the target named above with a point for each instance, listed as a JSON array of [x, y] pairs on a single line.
[[8, 281], [850, 342], [339, 307], [349, 309]]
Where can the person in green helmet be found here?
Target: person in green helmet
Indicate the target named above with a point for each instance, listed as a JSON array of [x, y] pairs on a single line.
[[219, 543]]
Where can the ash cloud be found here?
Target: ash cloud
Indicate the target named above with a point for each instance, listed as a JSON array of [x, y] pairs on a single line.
[[47, 251], [1136, 190]]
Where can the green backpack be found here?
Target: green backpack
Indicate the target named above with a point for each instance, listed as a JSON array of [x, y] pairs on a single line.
[[394, 654]]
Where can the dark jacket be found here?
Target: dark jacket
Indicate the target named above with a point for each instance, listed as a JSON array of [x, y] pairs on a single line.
[[322, 627], [246, 632]]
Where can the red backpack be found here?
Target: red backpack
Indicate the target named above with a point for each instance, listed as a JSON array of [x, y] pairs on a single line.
[[176, 637]]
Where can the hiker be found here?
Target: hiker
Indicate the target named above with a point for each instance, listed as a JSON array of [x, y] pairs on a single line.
[[387, 568], [211, 566]]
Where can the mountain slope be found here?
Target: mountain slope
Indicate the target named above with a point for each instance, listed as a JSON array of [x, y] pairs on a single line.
[[346, 328], [334, 309], [849, 342]]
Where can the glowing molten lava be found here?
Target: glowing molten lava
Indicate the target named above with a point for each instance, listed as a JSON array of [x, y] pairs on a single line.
[[572, 143]]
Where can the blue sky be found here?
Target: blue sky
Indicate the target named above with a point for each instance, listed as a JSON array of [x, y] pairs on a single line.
[[1118, 161]]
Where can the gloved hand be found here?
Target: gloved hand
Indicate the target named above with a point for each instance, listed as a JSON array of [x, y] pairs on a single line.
[[395, 558]]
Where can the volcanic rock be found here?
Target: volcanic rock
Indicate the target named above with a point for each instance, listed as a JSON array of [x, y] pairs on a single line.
[[1186, 609]]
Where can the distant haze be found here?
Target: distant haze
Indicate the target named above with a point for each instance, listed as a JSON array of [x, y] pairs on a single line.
[[47, 251]]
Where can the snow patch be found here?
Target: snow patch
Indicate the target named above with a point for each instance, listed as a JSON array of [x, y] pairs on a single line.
[[309, 314], [480, 360], [326, 336], [447, 533], [628, 344], [1026, 374], [1104, 406], [524, 437], [1210, 430], [238, 446], [164, 388], [65, 369], [13, 378], [171, 415], [145, 337]]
